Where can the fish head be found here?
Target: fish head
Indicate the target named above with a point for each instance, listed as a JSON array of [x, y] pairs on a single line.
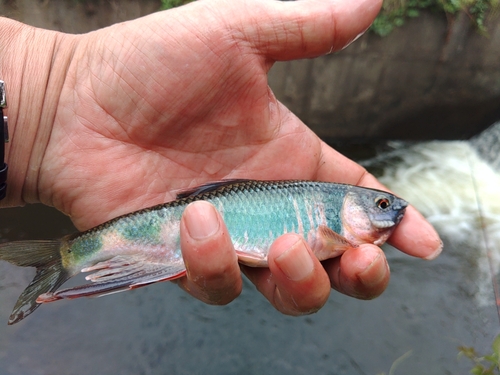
[[370, 216]]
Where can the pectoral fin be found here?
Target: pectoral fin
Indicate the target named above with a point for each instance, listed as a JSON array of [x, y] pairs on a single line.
[[116, 275], [326, 244]]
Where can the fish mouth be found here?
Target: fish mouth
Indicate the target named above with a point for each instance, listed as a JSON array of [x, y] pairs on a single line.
[[383, 224], [400, 216], [401, 211]]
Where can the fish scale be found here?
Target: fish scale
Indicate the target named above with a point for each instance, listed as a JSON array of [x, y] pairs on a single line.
[[259, 216], [143, 247], [255, 214]]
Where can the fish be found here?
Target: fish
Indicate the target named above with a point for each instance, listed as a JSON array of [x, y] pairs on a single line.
[[143, 247]]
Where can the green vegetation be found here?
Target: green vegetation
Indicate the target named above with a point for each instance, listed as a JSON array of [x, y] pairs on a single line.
[[484, 365], [167, 4], [395, 12]]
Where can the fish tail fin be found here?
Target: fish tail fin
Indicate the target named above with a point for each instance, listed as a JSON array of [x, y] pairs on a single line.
[[50, 273]]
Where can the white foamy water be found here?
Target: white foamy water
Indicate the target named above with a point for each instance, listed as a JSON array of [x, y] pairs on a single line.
[[458, 192]]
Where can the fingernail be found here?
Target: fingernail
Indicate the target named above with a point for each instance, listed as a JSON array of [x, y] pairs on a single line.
[[296, 262], [375, 272], [435, 253], [201, 220]]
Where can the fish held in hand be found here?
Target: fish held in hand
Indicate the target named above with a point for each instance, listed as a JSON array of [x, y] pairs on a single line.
[[143, 247]]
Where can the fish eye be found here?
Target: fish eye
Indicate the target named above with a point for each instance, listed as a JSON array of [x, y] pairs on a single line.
[[382, 203]]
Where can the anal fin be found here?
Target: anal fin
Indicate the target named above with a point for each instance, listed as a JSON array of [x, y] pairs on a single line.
[[116, 275]]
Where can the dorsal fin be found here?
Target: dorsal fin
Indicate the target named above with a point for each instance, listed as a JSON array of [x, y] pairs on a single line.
[[208, 187]]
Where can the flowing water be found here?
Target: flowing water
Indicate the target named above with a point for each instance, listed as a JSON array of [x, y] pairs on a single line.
[[416, 326]]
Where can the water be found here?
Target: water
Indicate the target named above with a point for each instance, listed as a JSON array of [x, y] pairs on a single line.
[[458, 191], [428, 310]]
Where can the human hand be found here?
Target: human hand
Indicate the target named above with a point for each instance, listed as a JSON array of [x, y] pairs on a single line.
[[135, 112]]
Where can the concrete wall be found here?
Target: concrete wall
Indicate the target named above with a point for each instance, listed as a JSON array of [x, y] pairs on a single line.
[[423, 81], [76, 16], [431, 79]]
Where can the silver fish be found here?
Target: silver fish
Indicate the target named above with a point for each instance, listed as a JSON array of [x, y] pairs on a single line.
[[143, 247]]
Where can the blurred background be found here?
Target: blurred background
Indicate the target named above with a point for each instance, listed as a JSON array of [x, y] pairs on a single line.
[[415, 101]]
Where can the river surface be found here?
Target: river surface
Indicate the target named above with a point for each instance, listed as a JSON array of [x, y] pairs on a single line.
[[416, 326]]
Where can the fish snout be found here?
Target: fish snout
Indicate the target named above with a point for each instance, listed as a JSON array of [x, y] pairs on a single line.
[[399, 207], [400, 204]]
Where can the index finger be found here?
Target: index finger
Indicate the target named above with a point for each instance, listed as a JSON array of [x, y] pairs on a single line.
[[414, 235]]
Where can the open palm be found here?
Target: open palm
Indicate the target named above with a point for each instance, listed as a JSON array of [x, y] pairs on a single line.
[[165, 102]]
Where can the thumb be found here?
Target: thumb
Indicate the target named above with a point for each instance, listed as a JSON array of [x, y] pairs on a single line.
[[309, 28]]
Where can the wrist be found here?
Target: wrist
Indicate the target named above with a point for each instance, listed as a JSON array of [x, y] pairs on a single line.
[[33, 63]]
